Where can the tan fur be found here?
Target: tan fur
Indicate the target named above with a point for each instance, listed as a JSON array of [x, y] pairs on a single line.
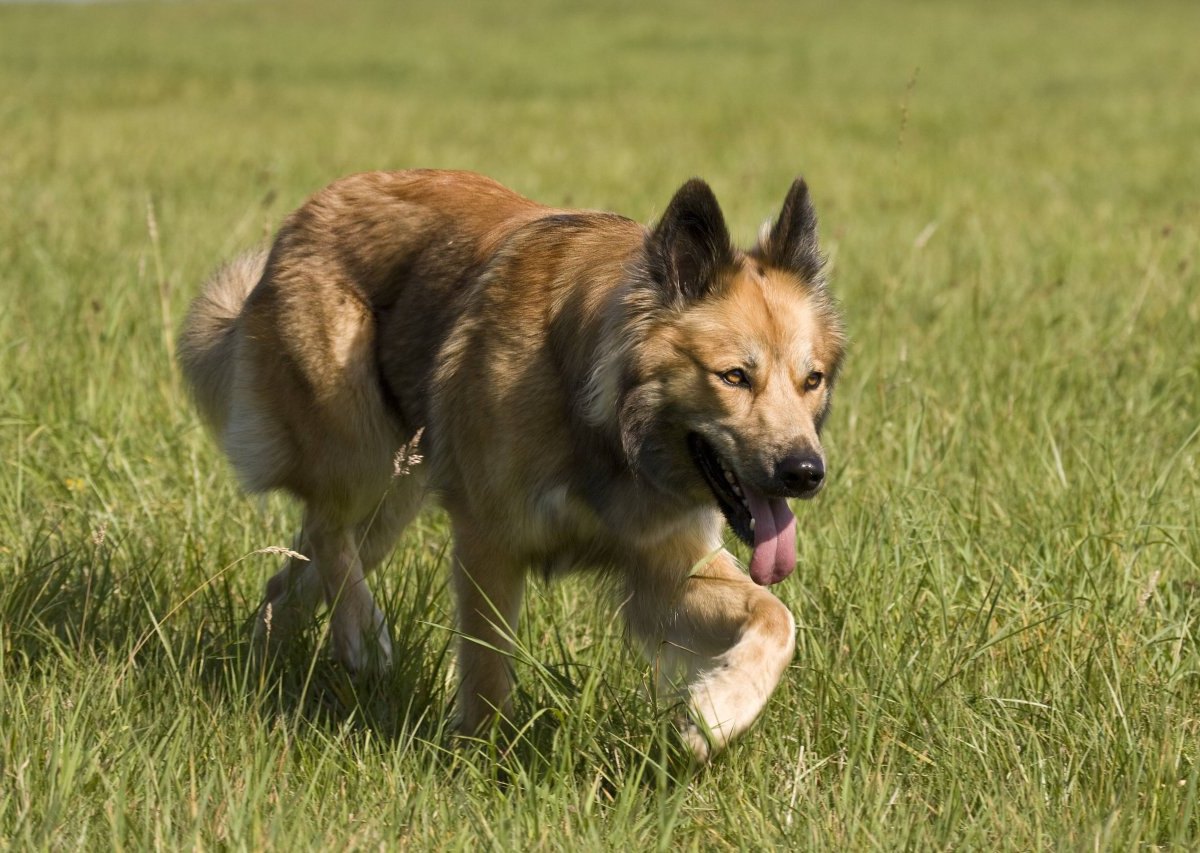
[[555, 363]]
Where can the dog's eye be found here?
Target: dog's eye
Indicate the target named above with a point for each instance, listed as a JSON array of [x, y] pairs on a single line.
[[813, 381], [736, 377]]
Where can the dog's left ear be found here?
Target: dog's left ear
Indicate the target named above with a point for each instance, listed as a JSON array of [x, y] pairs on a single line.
[[791, 244], [690, 246]]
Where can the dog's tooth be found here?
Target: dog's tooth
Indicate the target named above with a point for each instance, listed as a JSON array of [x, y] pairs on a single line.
[[751, 523], [729, 479]]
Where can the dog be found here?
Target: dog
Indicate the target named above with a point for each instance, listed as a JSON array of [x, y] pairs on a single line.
[[584, 392]]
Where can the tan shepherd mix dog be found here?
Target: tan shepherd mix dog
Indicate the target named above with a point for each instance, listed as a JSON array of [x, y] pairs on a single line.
[[586, 393]]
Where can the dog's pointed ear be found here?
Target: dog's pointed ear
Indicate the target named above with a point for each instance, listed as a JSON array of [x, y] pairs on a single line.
[[690, 246], [791, 243]]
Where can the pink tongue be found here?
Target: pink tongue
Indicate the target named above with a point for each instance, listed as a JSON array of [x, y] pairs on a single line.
[[774, 555]]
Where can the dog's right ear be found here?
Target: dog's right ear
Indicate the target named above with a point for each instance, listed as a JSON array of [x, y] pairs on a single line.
[[690, 246]]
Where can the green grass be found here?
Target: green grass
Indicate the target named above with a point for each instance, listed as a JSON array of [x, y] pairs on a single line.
[[999, 592]]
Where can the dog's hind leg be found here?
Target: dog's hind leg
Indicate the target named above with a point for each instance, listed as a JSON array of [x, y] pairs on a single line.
[[721, 640], [339, 557], [377, 534], [357, 626], [334, 572], [291, 599]]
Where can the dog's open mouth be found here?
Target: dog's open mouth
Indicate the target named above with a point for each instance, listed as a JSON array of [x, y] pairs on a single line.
[[764, 523], [725, 487]]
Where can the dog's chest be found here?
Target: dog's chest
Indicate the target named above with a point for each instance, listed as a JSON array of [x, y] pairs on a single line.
[[562, 532], [557, 514]]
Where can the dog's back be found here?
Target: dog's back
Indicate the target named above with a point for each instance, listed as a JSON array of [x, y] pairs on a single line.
[[282, 352]]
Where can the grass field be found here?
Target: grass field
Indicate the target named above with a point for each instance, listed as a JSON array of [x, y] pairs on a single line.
[[998, 595]]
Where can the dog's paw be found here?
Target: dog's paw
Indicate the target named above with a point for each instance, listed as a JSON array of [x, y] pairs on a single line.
[[287, 610], [277, 626], [698, 742], [364, 649]]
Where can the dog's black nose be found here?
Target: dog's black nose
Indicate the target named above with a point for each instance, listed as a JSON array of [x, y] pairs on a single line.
[[800, 474]]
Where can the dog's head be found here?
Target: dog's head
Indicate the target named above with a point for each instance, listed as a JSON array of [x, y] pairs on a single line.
[[728, 376]]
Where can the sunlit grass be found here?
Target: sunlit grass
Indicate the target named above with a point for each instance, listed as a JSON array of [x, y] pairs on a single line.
[[998, 593]]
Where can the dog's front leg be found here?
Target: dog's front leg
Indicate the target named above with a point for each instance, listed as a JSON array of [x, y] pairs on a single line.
[[723, 642], [488, 589]]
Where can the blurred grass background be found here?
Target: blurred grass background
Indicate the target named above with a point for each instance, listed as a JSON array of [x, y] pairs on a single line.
[[998, 592]]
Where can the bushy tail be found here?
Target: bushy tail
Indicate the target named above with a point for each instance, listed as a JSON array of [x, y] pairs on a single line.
[[209, 336]]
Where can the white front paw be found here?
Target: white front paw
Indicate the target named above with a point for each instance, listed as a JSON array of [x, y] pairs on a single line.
[[697, 742]]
